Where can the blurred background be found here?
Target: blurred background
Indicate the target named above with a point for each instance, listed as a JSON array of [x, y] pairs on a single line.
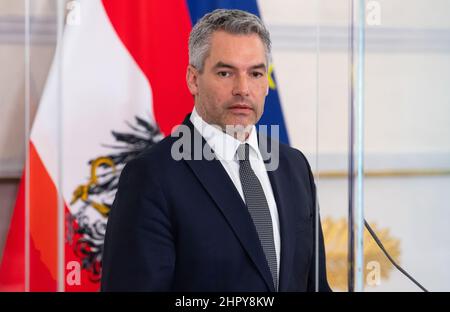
[[406, 123]]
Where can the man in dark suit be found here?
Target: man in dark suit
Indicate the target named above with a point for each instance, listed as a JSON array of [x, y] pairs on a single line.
[[209, 208]]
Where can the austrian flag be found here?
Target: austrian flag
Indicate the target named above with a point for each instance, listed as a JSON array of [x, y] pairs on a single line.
[[117, 87]]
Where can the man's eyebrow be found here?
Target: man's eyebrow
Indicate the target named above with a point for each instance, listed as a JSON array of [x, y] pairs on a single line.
[[222, 64], [259, 66], [225, 65]]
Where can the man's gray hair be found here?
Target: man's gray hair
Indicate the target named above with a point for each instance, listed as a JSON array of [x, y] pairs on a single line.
[[231, 21]]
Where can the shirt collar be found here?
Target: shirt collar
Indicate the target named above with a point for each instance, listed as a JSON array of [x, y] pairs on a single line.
[[223, 144]]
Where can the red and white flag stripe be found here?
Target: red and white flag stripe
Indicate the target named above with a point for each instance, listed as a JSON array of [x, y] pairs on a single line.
[[123, 59]]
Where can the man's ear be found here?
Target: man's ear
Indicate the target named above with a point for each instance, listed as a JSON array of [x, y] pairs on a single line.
[[192, 79]]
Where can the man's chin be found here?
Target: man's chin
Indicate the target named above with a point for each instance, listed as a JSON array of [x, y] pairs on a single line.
[[240, 122], [239, 126], [239, 131]]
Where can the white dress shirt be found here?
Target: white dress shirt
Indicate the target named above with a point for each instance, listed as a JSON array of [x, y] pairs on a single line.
[[225, 147]]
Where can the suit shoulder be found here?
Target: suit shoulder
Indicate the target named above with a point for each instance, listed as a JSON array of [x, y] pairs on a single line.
[[290, 153], [296, 153], [157, 152], [154, 158]]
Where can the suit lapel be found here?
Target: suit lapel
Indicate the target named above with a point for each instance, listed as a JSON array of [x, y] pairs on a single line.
[[287, 226], [218, 184], [281, 186]]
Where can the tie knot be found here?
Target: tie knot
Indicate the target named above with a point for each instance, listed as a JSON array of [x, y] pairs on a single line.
[[243, 151]]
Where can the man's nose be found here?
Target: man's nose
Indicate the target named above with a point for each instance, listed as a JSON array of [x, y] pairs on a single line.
[[241, 86]]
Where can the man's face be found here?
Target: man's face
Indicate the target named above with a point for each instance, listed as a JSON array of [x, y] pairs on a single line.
[[233, 85]]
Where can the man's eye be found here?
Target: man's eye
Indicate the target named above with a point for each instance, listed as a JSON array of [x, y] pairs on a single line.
[[223, 74], [257, 74]]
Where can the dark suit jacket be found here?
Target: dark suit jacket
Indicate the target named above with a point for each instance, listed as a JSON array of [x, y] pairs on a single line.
[[182, 226]]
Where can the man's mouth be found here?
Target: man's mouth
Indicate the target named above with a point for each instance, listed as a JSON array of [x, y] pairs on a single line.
[[241, 107]]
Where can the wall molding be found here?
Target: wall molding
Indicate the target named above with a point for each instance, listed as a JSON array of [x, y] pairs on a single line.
[[379, 39], [335, 165], [43, 30]]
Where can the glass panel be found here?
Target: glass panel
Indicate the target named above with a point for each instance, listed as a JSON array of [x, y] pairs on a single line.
[[407, 143], [28, 37], [12, 132], [331, 159], [42, 172], [312, 65]]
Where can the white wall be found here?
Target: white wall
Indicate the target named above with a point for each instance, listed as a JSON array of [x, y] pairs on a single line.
[[407, 119]]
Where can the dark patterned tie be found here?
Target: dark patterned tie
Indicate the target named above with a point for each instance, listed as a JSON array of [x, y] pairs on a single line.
[[258, 208]]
